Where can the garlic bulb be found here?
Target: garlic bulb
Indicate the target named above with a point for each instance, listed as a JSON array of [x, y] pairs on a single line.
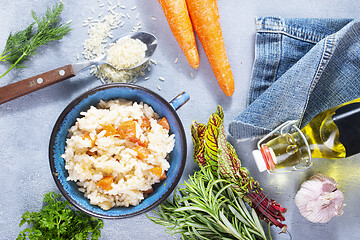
[[319, 200]]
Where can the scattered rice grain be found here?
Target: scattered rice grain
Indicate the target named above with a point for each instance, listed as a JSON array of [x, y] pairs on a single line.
[[99, 30]]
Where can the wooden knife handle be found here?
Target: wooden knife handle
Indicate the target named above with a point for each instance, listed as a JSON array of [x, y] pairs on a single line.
[[20, 88]]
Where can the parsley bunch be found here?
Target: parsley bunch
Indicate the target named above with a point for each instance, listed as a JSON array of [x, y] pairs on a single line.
[[57, 221], [23, 44]]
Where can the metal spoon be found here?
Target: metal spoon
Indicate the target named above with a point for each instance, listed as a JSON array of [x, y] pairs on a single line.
[[20, 88]]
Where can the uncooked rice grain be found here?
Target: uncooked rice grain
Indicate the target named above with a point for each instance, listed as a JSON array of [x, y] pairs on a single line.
[[124, 54], [94, 46]]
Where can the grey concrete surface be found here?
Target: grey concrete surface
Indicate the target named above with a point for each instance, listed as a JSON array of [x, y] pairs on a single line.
[[26, 123]]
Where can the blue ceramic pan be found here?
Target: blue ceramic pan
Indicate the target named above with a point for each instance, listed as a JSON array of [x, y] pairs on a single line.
[[106, 92]]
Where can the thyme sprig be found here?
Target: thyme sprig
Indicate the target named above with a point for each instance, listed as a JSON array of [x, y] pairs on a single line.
[[208, 207], [23, 44]]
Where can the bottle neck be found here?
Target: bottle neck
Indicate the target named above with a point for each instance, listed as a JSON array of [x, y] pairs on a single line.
[[287, 151]]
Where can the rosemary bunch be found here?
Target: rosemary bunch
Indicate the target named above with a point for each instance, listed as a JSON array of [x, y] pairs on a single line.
[[23, 44], [208, 208]]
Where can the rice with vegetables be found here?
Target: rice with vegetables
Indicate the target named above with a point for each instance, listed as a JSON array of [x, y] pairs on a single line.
[[117, 151]]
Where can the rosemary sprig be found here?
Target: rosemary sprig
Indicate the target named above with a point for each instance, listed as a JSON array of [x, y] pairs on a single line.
[[23, 44], [208, 207]]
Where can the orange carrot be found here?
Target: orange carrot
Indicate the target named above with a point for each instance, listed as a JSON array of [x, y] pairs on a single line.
[[105, 183], [178, 18], [110, 130], [127, 129], [164, 123], [87, 136], [205, 19], [142, 152], [163, 176], [157, 171], [145, 124]]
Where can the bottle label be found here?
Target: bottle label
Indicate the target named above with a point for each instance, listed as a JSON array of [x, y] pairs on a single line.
[[347, 119]]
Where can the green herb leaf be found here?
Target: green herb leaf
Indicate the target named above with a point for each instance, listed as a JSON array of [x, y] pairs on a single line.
[[218, 154], [211, 138], [198, 136], [56, 220], [201, 210], [23, 44]]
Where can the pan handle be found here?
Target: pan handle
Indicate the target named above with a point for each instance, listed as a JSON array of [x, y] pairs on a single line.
[[179, 100]]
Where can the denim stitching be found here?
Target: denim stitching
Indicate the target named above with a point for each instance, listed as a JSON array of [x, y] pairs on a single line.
[[278, 24], [277, 61], [329, 49], [287, 33], [252, 73], [286, 28], [293, 36]]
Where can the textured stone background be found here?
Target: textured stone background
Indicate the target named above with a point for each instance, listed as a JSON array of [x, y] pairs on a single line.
[[26, 123]]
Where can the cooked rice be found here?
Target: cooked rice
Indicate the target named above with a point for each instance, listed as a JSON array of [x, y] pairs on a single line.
[[93, 152]]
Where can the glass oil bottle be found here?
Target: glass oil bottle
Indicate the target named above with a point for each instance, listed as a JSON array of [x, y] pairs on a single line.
[[331, 134]]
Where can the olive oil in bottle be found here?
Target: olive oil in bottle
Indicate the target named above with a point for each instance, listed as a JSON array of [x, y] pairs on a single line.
[[331, 134]]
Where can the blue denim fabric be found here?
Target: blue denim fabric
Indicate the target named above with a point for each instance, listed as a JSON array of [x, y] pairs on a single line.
[[301, 67]]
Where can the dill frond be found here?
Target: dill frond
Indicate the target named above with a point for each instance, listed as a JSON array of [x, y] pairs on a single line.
[[23, 44]]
